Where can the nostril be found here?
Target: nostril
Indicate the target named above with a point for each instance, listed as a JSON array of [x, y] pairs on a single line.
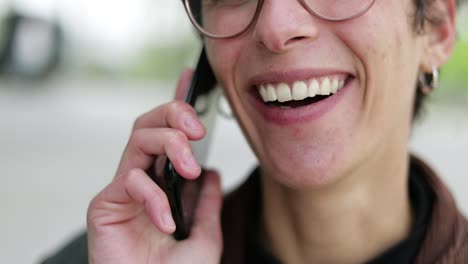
[[295, 39], [298, 38]]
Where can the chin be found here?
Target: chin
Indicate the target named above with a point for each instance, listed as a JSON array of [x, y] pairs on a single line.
[[299, 171]]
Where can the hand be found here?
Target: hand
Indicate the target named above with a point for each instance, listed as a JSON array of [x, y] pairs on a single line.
[[130, 220]]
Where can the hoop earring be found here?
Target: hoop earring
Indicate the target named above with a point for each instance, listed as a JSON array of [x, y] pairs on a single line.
[[429, 81], [222, 106]]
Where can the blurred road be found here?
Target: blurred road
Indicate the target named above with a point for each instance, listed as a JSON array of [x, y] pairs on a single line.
[[60, 143]]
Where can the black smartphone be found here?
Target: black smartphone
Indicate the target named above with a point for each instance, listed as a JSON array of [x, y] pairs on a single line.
[[183, 194]]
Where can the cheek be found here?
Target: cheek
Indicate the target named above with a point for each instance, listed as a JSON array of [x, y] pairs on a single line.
[[222, 55], [388, 54], [228, 60]]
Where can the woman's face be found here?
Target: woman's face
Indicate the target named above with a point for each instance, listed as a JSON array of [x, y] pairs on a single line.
[[308, 143]]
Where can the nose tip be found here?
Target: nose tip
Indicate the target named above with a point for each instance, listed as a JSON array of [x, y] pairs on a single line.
[[279, 45], [282, 25]]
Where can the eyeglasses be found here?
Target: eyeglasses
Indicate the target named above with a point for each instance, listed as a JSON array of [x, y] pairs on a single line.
[[230, 18]]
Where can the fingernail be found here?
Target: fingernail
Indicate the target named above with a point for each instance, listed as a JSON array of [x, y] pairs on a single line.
[[191, 124], [168, 222]]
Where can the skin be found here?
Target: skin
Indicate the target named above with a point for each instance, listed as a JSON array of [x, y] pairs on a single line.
[[130, 221], [334, 187], [323, 179]]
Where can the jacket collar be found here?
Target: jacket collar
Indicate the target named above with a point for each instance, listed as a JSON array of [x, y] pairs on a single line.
[[446, 236]]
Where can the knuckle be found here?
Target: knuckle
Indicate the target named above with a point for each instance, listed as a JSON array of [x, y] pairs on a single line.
[[131, 176], [177, 137], [176, 104], [136, 136], [139, 121], [179, 107]]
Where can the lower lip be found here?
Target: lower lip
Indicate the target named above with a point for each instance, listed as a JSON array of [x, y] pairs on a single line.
[[289, 116]]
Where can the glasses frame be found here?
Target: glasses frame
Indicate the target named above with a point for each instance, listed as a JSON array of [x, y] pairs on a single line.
[[257, 13]]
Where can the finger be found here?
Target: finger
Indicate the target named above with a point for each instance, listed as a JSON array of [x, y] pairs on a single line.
[[175, 114], [207, 215], [144, 144], [120, 202], [184, 84]]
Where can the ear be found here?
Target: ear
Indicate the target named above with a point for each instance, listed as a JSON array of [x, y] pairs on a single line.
[[440, 37]]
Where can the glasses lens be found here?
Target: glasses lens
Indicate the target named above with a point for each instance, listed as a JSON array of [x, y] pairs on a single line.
[[338, 9], [222, 18]]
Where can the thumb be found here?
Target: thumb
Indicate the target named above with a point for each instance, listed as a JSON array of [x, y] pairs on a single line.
[[207, 216]]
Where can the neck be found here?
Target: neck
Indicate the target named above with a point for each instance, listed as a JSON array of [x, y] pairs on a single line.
[[350, 221]]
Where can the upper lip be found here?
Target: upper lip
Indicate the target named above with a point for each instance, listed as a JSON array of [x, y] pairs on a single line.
[[291, 76]]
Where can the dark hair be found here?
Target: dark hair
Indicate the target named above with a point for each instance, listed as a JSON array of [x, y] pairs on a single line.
[[424, 14]]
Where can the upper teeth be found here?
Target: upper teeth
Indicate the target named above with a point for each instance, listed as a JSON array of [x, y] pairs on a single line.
[[299, 90]]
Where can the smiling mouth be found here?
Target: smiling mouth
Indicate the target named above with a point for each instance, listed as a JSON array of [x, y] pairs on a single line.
[[301, 93]]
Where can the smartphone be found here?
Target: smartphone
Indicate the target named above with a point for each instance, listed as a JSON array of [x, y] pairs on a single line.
[[183, 194]]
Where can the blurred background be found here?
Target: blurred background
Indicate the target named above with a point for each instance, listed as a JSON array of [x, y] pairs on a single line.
[[75, 74]]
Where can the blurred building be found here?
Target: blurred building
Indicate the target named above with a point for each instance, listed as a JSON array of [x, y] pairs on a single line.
[[101, 36]]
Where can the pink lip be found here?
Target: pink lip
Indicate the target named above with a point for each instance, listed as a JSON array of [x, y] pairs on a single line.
[[289, 116], [291, 76]]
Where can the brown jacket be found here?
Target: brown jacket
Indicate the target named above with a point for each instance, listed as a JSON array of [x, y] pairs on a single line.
[[446, 240]]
